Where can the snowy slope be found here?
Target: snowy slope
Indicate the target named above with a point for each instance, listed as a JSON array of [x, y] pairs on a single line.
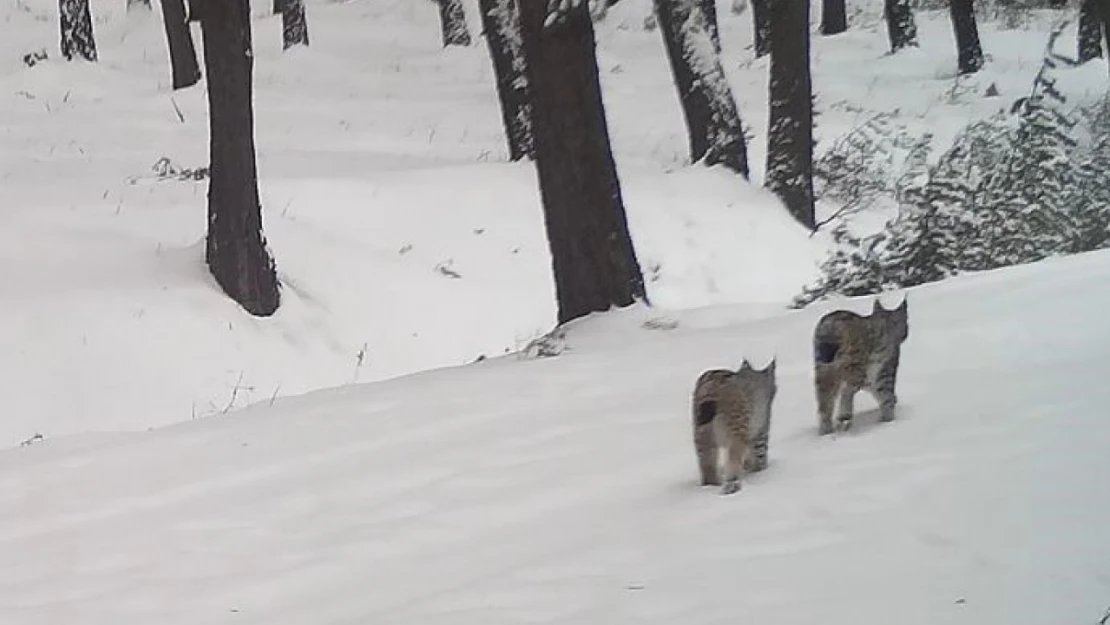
[[382, 178], [563, 490]]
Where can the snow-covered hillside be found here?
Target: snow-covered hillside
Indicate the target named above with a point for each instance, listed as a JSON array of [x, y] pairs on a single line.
[[564, 490], [403, 240]]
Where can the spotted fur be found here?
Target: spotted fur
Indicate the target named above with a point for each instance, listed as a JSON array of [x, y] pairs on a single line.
[[732, 422], [853, 353]]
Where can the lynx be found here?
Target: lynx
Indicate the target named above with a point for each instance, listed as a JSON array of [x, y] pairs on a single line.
[[852, 353], [732, 418]]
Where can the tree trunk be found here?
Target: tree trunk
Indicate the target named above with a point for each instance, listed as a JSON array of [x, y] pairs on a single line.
[[1102, 9], [834, 17], [452, 20], [294, 26], [183, 56], [131, 4], [501, 23], [236, 252], [761, 27], [900, 24], [195, 9], [77, 30], [709, 9], [969, 52], [592, 255], [790, 129], [1090, 31], [712, 120], [278, 7]]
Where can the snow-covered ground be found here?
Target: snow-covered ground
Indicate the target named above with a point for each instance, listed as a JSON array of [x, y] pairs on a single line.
[[564, 490]]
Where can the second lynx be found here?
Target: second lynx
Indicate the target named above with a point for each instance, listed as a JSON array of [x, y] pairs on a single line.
[[852, 353]]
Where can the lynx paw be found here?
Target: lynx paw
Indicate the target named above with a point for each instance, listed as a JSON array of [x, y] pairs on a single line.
[[826, 427], [730, 487]]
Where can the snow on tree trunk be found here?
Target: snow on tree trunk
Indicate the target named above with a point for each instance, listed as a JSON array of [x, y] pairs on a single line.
[[76, 30], [790, 132], [593, 259], [1090, 31], [969, 52], [900, 24], [712, 120], [452, 20], [761, 27], [834, 17], [142, 4], [236, 251], [294, 25], [501, 23], [183, 56], [709, 9]]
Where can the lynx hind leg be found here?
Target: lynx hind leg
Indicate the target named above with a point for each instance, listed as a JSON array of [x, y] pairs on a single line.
[[756, 460], [846, 406], [734, 465], [827, 382], [883, 389], [705, 443]]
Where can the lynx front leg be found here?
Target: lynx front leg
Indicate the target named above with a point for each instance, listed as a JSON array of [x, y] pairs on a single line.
[[734, 464], [884, 389], [827, 382], [706, 446]]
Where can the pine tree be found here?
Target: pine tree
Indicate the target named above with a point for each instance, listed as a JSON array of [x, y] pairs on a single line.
[[76, 26], [834, 17], [712, 119], [1090, 32], [900, 24], [969, 52], [236, 250], [452, 21], [592, 255], [501, 24], [790, 131], [294, 24], [179, 39]]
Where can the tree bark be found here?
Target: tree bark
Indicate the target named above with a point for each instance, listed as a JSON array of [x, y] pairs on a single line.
[[278, 7], [145, 4], [969, 52], [593, 259], [76, 26], [790, 131], [183, 56], [236, 251], [294, 25], [709, 9], [501, 24], [834, 17], [1090, 31], [452, 20], [761, 27], [712, 120], [900, 24]]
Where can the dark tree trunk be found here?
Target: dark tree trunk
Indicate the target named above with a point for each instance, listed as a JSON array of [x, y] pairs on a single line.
[[834, 17], [183, 56], [790, 129], [969, 52], [144, 4], [712, 120], [278, 7], [1090, 31], [900, 24], [592, 255], [195, 9], [501, 23], [709, 9], [236, 252], [77, 30], [1102, 9], [761, 27], [452, 20], [294, 26]]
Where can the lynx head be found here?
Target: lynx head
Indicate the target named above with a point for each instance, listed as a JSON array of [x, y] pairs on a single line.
[[895, 322], [759, 382]]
